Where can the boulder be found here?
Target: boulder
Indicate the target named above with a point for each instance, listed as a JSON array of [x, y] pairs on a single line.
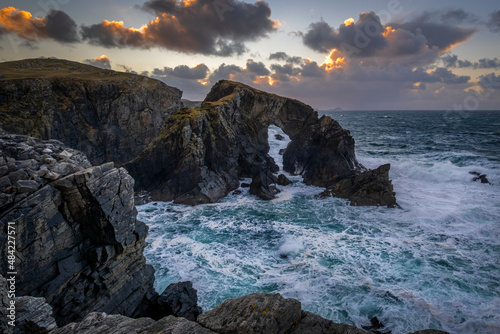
[[255, 313]]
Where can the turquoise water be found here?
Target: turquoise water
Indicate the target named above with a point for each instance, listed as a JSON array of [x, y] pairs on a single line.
[[435, 263]]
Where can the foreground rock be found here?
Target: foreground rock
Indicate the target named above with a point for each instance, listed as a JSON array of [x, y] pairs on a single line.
[[203, 152], [102, 323], [108, 115], [78, 243]]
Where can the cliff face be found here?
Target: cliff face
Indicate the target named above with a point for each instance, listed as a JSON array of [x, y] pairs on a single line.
[[201, 154], [78, 243], [110, 116]]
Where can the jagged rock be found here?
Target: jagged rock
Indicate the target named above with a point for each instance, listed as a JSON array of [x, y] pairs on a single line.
[[33, 316], [78, 243], [255, 313], [203, 152], [245, 185], [108, 115], [178, 299], [264, 185], [283, 180], [372, 187], [312, 323], [102, 323]]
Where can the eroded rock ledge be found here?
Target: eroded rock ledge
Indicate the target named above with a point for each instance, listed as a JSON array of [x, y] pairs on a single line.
[[201, 154]]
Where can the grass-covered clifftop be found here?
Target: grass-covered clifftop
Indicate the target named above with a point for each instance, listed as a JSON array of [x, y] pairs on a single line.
[[109, 115]]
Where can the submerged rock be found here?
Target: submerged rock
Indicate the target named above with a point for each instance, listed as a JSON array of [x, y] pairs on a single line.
[[178, 299], [480, 177]]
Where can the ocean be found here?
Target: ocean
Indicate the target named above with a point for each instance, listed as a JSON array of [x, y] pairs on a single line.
[[433, 263]]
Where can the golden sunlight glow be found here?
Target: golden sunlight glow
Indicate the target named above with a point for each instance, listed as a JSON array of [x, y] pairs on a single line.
[[349, 21], [334, 60], [21, 22], [439, 90], [388, 30], [276, 24], [188, 3]]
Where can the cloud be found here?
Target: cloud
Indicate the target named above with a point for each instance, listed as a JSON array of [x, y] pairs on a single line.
[[57, 25], [452, 61], [416, 42], [198, 72], [494, 21], [458, 16], [285, 57], [102, 62], [443, 36], [191, 26], [365, 35]]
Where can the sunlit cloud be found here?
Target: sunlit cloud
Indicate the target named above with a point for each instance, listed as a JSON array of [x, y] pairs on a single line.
[[57, 25]]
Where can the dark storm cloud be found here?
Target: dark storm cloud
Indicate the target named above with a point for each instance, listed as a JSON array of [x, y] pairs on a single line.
[[285, 69], [458, 16], [257, 68], [441, 35], [494, 21], [425, 36], [61, 27], [102, 62], [202, 26], [198, 72], [365, 35], [224, 72], [285, 57], [452, 61], [57, 25]]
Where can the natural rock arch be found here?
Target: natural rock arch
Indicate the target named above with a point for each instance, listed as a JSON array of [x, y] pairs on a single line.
[[203, 151]]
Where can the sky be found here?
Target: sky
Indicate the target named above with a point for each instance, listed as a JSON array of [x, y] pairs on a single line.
[[354, 55]]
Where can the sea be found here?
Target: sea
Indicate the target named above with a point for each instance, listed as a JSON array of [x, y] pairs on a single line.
[[433, 263]]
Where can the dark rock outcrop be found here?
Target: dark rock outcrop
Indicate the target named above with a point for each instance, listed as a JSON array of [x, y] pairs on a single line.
[[283, 180], [78, 242], [203, 152], [372, 187], [178, 299], [108, 115]]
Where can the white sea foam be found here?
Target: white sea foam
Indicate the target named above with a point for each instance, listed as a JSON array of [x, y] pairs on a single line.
[[432, 264]]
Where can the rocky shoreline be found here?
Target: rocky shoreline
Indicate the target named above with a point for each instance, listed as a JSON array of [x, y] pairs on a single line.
[[79, 247]]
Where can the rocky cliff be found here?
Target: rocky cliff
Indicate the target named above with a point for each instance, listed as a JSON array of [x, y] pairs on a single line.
[[78, 243], [108, 115], [201, 154]]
